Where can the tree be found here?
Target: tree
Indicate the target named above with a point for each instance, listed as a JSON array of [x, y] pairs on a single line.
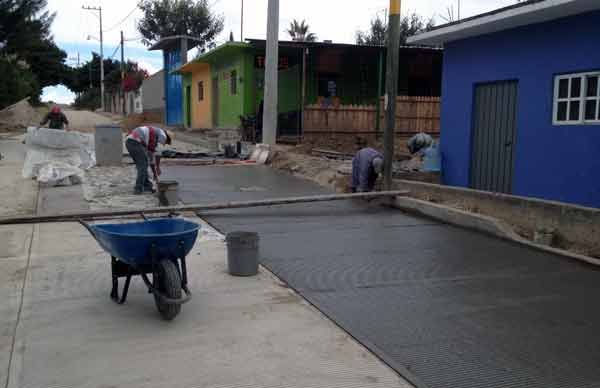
[[80, 78], [164, 18], [18, 82], [409, 25], [25, 36], [376, 36], [299, 32]]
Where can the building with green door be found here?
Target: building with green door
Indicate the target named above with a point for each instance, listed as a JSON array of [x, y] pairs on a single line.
[[309, 73]]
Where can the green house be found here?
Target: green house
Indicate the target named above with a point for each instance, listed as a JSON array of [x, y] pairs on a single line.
[[309, 73]]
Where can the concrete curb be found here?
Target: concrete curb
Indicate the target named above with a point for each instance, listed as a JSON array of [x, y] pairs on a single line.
[[481, 223]]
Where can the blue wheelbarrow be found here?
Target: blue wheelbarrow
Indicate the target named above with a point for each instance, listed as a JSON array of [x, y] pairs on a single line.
[[156, 247]]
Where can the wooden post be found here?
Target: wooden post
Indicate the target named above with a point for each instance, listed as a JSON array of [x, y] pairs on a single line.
[[393, 57], [379, 93]]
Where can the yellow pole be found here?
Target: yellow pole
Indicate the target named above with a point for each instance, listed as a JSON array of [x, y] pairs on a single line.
[[395, 6]]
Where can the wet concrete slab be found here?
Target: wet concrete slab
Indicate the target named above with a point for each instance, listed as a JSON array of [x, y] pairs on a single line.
[[445, 307]]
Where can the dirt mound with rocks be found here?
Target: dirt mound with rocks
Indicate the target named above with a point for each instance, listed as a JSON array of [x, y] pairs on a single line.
[[19, 116]]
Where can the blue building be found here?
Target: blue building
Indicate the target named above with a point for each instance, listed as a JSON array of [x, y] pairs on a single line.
[[175, 50], [521, 100]]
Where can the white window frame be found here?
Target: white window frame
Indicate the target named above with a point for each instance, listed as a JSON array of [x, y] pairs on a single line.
[[582, 99]]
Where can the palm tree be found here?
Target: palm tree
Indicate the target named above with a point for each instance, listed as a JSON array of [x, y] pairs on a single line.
[[299, 32]]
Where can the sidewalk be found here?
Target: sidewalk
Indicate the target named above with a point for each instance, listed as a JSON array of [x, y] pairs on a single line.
[[236, 332]]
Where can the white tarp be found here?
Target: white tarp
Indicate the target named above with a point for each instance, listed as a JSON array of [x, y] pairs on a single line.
[[57, 157], [60, 174]]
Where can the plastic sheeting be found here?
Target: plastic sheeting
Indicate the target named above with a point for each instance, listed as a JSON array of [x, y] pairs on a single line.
[[60, 174], [57, 157]]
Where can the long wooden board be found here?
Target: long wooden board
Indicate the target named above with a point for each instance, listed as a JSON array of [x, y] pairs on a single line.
[[108, 214]]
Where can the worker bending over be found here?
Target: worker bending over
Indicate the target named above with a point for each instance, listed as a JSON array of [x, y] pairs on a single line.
[[56, 118], [366, 167], [141, 145]]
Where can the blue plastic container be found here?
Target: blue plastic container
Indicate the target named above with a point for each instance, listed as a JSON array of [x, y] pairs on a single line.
[[131, 242], [432, 160]]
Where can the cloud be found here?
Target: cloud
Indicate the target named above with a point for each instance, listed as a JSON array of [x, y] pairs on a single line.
[[329, 19], [59, 94], [149, 67]]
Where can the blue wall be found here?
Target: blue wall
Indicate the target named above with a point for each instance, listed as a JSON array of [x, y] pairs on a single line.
[[173, 88], [551, 162]]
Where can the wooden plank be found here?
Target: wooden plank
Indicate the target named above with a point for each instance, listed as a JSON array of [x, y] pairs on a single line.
[[104, 214]]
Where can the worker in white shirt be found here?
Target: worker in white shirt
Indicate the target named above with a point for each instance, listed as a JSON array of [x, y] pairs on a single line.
[[141, 145]]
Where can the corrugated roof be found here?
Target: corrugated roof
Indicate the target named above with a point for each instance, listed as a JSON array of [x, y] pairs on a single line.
[[287, 43], [222, 50], [522, 14]]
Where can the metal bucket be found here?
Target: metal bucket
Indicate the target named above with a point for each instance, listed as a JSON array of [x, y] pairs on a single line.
[[168, 193], [242, 253]]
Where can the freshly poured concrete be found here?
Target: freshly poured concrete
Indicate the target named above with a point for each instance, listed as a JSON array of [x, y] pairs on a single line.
[[445, 307], [236, 332]]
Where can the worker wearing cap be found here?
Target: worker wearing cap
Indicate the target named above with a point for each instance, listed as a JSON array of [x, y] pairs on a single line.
[[56, 118], [366, 167], [141, 145]]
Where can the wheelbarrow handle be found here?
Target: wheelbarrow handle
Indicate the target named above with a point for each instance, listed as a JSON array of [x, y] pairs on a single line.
[[88, 227]]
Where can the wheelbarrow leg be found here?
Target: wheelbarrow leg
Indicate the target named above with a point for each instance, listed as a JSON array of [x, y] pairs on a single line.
[[114, 293], [125, 290], [116, 271]]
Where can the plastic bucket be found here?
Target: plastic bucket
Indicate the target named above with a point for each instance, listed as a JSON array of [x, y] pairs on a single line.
[[168, 193], [242, 253]]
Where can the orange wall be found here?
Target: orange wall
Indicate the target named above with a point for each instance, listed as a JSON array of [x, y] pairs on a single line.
[[201, 110]]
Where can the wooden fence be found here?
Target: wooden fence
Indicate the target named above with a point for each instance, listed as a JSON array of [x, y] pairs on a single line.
[[413, 114], [344, 118]]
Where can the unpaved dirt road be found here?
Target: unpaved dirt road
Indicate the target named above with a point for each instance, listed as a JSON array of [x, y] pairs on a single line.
[[85, 121]]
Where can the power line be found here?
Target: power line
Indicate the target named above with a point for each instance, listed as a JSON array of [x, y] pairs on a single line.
[[122, 20], [114, 52]]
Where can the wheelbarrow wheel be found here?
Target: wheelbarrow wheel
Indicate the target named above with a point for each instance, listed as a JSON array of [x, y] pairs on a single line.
[[168, 283]]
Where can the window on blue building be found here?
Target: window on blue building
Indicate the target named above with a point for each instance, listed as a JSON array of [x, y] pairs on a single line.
[[577, 99]]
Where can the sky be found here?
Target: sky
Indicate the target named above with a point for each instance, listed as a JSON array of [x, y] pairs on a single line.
[[76, 30]]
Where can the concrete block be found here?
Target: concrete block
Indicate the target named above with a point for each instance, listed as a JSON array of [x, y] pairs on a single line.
[[109, 145]]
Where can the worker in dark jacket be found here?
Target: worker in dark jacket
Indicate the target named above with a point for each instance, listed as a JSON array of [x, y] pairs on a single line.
[[56, 118], [366, 167]]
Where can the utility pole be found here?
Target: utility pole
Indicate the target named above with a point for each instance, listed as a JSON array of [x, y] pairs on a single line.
[[393, 58], [242, 24], [123, 74], [459, 10], [99, 9], [271, 75]]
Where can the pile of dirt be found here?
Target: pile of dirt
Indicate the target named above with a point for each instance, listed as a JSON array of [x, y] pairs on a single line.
[[19, 116], [328, 173], [350, 143]]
